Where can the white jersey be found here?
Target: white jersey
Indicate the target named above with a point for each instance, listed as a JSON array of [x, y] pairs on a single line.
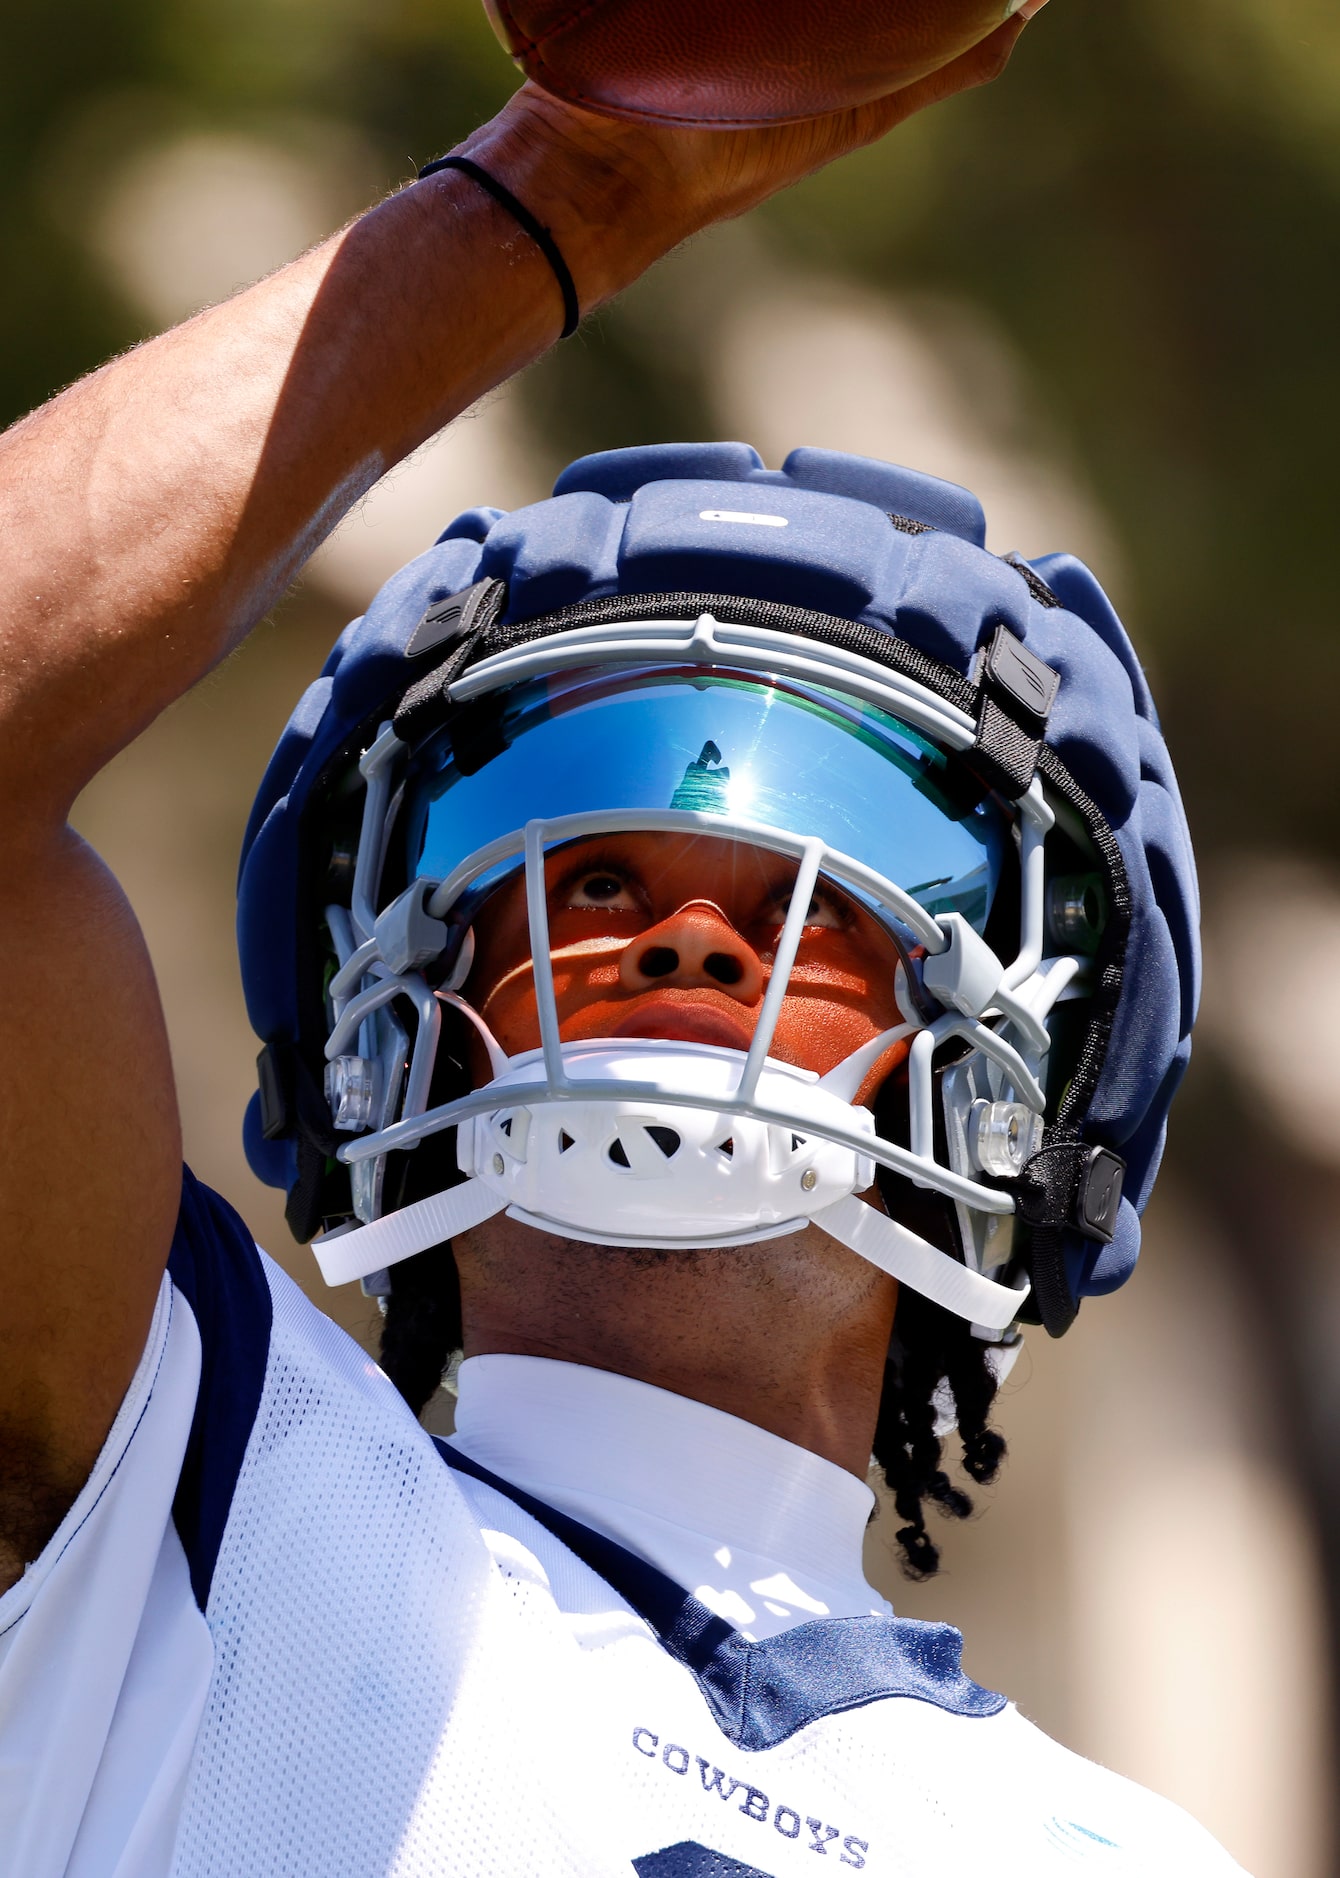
[[284, 1633]]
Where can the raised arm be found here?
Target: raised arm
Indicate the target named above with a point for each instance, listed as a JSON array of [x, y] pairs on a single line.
[[148, 518]]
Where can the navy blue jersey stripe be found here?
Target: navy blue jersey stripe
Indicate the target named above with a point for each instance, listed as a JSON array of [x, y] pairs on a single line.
[[761, 1693], [689, 1860], [216, 1267]]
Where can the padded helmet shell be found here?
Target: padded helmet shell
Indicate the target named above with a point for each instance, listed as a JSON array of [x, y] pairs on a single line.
[[865, 540]]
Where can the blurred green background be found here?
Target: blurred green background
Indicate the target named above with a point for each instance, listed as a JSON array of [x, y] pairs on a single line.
[[1104, 292]]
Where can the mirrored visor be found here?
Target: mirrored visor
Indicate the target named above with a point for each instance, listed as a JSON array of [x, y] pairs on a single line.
[[794, 757]]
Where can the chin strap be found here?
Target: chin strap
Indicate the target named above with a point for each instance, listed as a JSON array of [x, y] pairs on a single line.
[[920, 1265], [354, 1253]]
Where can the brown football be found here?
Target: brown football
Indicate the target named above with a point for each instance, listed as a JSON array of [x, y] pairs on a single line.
[[735, 63]]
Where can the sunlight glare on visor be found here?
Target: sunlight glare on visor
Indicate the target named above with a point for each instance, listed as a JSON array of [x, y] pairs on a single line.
[[791, 756]]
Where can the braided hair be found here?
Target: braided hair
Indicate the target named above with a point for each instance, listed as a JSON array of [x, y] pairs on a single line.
[[932, 1356], [421, 1330]]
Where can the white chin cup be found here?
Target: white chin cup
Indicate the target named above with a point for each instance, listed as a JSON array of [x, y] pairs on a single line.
[[671, 1165], [664, 1169]]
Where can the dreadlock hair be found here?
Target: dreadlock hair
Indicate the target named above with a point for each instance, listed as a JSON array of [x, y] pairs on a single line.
[[932, 1355], [421, 1331], [934, 1362], [421, 1319], [934, 1359]]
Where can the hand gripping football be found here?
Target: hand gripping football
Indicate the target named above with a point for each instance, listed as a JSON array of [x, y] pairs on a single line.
[[735, 63]]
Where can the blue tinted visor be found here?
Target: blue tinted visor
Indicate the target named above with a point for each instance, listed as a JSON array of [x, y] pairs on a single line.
[[792, 756]]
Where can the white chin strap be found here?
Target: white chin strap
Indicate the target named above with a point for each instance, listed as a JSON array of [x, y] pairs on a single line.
[[645, 1147]]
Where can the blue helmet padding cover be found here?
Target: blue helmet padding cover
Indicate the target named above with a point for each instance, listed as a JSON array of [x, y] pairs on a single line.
[[632, 522]]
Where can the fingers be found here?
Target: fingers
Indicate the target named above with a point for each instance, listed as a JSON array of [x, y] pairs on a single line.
[[979, 66], [690, 178]]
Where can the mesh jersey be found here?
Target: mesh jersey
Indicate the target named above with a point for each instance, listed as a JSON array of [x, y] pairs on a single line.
[[283, 1632]]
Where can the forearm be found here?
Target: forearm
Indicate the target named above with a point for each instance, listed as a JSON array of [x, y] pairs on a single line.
[[152, 513]]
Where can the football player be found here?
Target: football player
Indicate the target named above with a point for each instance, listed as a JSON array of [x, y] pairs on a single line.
[[723, 946]]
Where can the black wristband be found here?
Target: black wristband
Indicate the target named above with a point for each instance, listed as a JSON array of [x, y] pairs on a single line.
[[537, 231]]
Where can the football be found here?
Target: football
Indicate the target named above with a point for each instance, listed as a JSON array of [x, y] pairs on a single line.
[[739, 64]]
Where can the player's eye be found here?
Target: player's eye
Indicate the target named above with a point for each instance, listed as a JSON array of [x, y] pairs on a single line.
[[824, 909], [600, 888]]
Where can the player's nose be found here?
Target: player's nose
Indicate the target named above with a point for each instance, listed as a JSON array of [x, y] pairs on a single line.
[[695, 947]]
